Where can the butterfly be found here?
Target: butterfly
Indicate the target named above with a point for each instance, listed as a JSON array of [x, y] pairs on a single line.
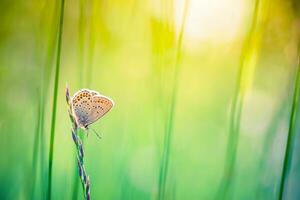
[[87, 106]]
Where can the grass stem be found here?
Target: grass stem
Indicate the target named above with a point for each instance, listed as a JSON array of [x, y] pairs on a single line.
[[235, 113], [270, 136], [169, 129], [45, 81], [81, 53], [91, 48], [35, 153], [55, 92], [291, 133], [81, 38], [85, 180]]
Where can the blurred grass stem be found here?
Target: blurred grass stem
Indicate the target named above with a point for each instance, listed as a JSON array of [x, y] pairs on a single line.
[[291, 132], [169, 129], [235, 113], [55, 92]]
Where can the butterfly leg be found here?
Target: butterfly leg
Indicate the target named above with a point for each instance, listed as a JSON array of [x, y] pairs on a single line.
[[97, 134]]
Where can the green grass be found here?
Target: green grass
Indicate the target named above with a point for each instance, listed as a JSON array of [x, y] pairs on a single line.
[[167, 136], [39, 149], [91, 49], [268, 141], [55, 93], [82, 82], [35, 152], [81, 42], [163, 174], [45, 82], [291, 132], [236, 111], [81, 37]]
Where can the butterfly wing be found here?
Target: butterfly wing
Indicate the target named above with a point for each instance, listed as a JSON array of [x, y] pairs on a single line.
[[82, 106], [93, 92], [100, 106]]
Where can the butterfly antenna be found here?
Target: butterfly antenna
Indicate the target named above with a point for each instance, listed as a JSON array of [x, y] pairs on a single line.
[[97, 134]]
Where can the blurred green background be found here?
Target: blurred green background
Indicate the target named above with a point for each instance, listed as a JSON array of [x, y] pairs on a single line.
[[130, 51]]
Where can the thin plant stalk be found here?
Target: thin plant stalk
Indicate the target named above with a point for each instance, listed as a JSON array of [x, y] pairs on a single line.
[[89, 67], [89, 73], [44, 91], [45, 81], [91, 44], [39, 136], [267, 143], [163, 40], [36, 140], [235, 113], [85, 180], [269, 139], [42, 149], [291, 133], [169, 129], [55, 92], [35, 152], [81, 35]]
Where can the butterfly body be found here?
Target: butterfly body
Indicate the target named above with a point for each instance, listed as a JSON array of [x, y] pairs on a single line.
[[88, 106]]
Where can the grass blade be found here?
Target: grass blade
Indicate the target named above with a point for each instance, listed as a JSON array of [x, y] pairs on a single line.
[[91, 48], [235, 113], [269, 138], [81, 35], [168, 134], [81, 53], [55, 92], [44, 91], [291, 133], [36, 141]]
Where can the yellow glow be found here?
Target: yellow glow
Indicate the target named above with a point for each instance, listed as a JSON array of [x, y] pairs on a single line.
[[211, 19]]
